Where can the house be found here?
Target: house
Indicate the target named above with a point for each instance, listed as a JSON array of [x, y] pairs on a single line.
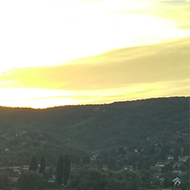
[[19, 169], [176, 182], [93, 157], [158, 166], [15, 168], [183, 158], [170, 158], [128, 168], [177, 172]]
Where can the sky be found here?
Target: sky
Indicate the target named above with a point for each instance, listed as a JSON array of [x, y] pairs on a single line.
[[60, 52]]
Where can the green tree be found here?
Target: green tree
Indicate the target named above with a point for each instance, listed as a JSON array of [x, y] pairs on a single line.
[[33, 164], [59, 170], [66, 169], [48, 173], [42, 165], [30, 180], [125, 180], [86, 160], [168, 177], [4, 180], [89, 177], [185, 181]]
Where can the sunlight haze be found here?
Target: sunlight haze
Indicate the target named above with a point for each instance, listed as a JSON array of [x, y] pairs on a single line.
[[58, 52]]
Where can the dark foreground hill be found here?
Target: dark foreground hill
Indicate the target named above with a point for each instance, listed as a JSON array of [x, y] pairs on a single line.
[[152, 128]]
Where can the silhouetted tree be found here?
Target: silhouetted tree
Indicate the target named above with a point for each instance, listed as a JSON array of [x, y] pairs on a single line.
[[29, 180], [33, 164], [89, 177], [60, 167], [86, 160], [66, 169], [4, 180], [42, 165]]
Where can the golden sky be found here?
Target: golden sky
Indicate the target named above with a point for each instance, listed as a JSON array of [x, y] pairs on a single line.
[[58, 52]]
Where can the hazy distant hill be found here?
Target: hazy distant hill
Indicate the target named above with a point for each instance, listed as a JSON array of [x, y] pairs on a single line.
[[81, 130]]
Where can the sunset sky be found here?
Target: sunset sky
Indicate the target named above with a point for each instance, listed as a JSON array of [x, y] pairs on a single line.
[[62, 52]]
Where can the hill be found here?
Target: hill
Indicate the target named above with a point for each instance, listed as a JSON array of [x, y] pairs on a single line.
[[156, 127]]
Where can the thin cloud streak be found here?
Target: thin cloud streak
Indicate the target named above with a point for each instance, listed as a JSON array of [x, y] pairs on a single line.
[[156, 63]]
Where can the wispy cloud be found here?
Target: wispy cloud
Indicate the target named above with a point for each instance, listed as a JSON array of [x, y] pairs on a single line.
[[113, 69], [174, 2], [128, 73], [38, 36], [48, 32]]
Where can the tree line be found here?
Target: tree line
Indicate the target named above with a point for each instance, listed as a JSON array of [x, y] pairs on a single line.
[[90, 176], [36, 178], [32, 179]]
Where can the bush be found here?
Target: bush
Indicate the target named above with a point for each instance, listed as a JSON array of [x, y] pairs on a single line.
[[89, 177], [30, 180], [4, 180]]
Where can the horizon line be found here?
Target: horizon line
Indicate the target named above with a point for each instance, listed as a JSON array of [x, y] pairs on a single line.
[[93, 104]]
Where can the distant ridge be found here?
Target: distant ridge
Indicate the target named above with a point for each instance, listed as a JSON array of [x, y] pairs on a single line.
[[81, 129], [96, 104]]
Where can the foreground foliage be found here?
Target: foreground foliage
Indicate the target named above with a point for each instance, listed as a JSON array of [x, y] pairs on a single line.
[[93, 177], [4, 180], [30, 180]]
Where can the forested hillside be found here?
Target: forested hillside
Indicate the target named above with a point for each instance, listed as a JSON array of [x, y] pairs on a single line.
[[139, 132]]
